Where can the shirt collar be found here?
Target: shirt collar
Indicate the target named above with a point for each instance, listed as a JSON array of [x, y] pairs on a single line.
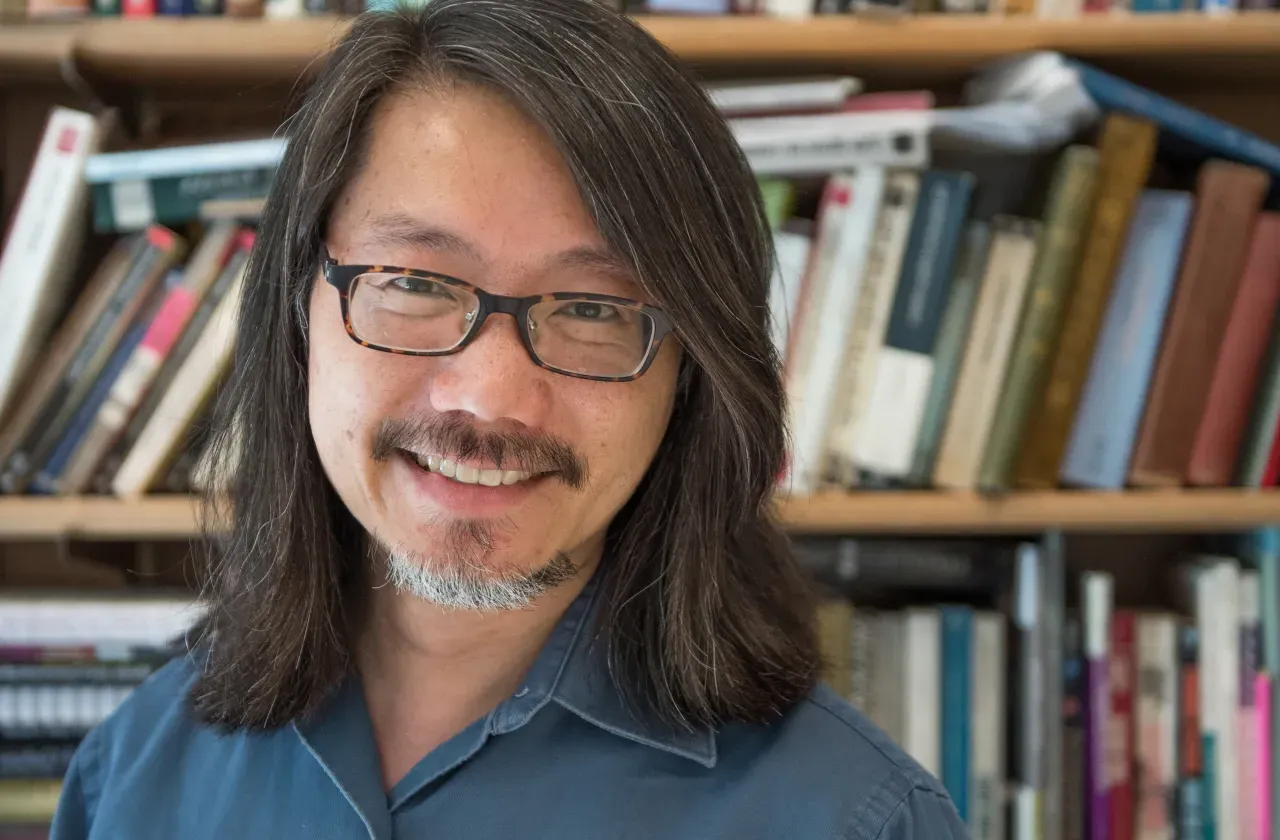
[[574, 672]]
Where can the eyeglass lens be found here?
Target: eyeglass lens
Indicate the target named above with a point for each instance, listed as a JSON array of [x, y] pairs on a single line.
[[419, 314]]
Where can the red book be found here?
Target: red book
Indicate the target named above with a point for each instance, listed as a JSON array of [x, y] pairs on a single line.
[[1271, 477], [138, 8], [1119, 745], [1235, 377]]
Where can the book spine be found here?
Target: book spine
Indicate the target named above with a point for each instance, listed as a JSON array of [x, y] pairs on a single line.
[[987, 717], [1264, 421], [158, 248], [1111, 93], [838, 297], [986, 355], [957, 678], [1191, 798], [1026, 675], [1074, 699], [1119, 747], [133, 204], [46, 478], [792, 146], [1125, 152], [869, 321], [1066, 216], [1247, 711], [34, 269], [953, 335], [1228, 199], [1106, 422], [1156, 727], [904, 369], [1097, 600], [921, 726], [1234, 380], [1261, 771]]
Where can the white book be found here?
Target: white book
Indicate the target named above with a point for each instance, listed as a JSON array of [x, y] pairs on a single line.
[[39, 256], [887, 686], [799, 145], [733, 98], [870, 317], [987, 706], [980, 381], [791, 256], [794, 9], [829, 318], [1217, 591], [186, 395], [1156, 725], [174, 161], [922, 687]]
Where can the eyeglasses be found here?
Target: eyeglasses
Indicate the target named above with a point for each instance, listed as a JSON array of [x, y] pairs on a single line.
[[413, 312]]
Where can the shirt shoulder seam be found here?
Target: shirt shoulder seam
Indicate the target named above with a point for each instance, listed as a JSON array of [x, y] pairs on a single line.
[[898, 765]]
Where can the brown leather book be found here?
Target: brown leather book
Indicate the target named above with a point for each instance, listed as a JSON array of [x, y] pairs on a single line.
[[1228, 199], [1235, 378], [1126, 146]]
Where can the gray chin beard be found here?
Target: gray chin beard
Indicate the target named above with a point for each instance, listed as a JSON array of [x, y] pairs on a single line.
[[467, 585]]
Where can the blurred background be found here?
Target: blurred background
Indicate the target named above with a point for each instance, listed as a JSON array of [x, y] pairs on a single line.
[[1028, 268]]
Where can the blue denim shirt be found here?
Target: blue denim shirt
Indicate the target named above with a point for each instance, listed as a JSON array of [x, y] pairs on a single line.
[[561, 758]]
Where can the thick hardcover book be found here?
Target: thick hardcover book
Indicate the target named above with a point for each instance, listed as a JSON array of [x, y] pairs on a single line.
[[1228, 197], [904, 371], [1125, 151], [1234, 381], [39, 252], [1106, 422], [1066, 217]]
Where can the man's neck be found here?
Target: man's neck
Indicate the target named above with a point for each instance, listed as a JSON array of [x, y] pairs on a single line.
[[429, 671]]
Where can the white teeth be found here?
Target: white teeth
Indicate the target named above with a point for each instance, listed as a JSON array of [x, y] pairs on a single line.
[[465, 474]]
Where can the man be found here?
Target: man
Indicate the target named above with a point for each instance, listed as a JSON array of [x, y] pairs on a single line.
[[508, 425]]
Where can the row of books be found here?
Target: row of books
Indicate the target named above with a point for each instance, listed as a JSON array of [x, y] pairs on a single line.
[[67, 661], [1107, 322], [1048, 717], [788, 9]]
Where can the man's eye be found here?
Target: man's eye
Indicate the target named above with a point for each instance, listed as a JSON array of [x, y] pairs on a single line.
[[422, 286], [590, 311]]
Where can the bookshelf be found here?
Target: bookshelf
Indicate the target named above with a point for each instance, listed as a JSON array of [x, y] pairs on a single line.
[[1151, 47], [891, 512]]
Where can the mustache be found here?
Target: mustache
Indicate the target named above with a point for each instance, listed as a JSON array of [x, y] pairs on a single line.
[[453, 436]]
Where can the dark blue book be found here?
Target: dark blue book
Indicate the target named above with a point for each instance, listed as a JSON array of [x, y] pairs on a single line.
[[957, 679]]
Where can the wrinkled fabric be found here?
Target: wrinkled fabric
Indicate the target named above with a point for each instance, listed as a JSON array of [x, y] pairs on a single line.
[[560, 759]]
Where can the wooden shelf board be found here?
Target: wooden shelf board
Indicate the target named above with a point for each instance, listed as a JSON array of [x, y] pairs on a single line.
[[178, 50], [173, 517], [936, 512], [34, 52]]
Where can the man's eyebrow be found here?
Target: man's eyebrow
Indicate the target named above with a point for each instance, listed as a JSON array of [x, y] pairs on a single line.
[[604, 260], [400, 229]]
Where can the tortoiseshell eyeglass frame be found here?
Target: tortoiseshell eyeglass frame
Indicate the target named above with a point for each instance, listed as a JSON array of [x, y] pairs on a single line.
[[343, 276]]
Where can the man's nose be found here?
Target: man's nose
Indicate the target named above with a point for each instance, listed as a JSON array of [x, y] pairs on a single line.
[[493, 378]]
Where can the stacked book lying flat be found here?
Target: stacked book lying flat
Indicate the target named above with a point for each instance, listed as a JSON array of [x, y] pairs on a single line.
[[66, 663]]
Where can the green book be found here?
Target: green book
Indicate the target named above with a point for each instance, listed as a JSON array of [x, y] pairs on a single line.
[[779, 198], [953, 335], [1066, 217]]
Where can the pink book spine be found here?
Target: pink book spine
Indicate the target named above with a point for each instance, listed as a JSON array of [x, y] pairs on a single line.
[[1262, 753]]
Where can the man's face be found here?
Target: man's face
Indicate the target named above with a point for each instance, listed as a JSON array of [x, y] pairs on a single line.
[[462, 184]]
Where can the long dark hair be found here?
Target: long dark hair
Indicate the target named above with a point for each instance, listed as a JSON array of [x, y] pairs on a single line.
[[704, 613]]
